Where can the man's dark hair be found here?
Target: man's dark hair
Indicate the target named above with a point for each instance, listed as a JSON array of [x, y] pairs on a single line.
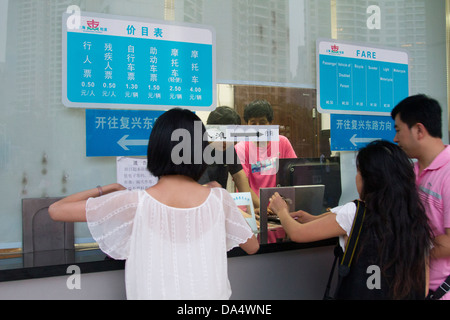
[[258, 109], [224, 116], [421, 109], [160, 145]]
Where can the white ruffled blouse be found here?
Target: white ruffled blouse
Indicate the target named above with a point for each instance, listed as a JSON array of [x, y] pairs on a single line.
[[171, 253]]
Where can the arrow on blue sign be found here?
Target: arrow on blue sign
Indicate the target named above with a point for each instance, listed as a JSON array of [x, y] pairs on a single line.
[[124, 142], [354, 140]]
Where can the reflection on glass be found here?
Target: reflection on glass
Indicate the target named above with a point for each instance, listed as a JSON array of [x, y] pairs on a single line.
[[265, 50]]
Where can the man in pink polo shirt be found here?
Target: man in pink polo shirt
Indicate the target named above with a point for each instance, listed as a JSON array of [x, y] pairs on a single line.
[[418, 122], [259, 159]]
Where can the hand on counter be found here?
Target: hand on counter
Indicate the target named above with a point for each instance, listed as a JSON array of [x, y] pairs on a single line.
[[278, 205], [311, 228]]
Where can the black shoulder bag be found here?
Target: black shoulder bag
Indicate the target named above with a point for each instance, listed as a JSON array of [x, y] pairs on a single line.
[[346, 257]]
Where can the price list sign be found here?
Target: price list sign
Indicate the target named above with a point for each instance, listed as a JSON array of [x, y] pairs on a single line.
[[113, 62], [356, 79]]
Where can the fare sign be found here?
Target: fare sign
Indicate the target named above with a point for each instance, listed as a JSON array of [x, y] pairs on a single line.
[[358, 79]]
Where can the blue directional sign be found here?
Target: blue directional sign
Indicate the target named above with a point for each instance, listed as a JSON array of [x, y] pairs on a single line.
[[356, 79], [353, 132], [114, 133], [112, 62]]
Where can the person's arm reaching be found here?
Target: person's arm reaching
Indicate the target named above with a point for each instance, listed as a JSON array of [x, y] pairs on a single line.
[[73, 207]]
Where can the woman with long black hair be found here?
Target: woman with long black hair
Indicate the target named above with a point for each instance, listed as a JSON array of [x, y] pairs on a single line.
[[395, 237]]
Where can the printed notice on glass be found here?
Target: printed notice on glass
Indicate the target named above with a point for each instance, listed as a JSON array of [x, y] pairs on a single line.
[[113, 62], [133, 174], [357, 79]]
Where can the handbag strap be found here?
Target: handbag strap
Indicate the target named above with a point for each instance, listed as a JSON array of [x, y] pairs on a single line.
[[350, 248], [347, 257], [337, 254], [441, 291]]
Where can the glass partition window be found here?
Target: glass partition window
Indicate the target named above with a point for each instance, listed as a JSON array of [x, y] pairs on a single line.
[[265, 49]]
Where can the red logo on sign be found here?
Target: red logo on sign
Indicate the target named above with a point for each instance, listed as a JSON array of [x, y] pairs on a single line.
[[93, 24], [335, 48]]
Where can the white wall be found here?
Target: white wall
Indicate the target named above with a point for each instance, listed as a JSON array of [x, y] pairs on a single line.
[[291, 275]]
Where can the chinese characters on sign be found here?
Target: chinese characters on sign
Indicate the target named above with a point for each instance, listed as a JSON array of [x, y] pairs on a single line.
[[364, 124], [109, 62], [112, 133], [234, 133], [352, 132]]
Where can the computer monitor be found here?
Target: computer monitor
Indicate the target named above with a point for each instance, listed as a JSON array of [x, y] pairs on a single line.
[[312, 171]]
